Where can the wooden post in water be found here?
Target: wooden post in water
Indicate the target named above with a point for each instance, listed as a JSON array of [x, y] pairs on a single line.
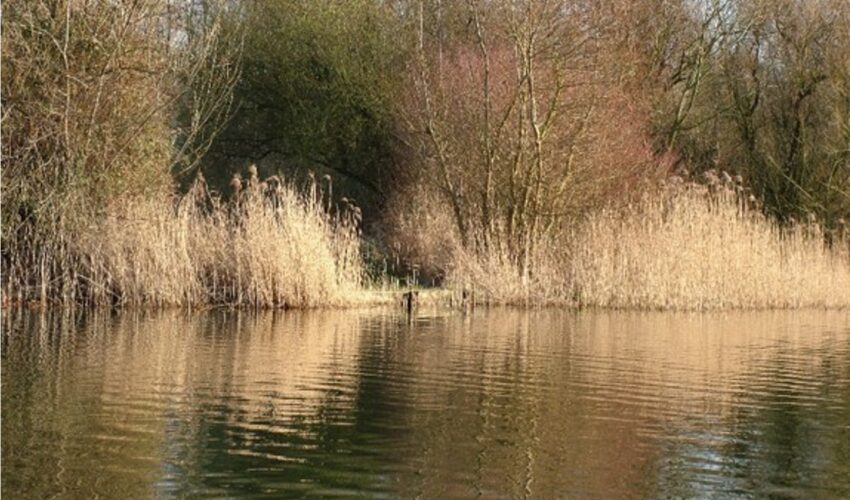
[[468, 299], [410, 299]]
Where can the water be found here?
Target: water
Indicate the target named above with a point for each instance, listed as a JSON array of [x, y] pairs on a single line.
[[501, 403]]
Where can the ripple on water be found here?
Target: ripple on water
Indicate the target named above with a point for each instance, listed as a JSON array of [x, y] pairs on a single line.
[[500, 403]]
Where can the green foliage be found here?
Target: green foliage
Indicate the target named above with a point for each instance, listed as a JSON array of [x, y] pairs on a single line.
[[763, 90], [316, 92]]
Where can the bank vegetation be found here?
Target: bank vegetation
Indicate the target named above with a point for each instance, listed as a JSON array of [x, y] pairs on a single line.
[[656, 154]]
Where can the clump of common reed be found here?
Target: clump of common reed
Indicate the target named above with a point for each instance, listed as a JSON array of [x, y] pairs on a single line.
[[498, 275], [275, 246], [685, 246], [697, 247], [270, 245], [422, 234]]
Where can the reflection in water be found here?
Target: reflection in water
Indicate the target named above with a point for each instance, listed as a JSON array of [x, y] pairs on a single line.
[[500, 403]]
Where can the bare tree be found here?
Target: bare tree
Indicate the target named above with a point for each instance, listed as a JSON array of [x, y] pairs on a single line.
[[511, 117]]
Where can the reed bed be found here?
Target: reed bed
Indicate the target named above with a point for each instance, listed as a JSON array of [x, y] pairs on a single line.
[[691, 249], [270, 246], [685, 247], [496, 276], [688, 247]]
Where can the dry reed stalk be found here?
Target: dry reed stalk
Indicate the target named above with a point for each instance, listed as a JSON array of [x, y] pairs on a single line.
[[686, 248], [271, 247]]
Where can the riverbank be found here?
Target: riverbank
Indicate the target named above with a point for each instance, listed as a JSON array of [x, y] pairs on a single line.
[[276, 246]]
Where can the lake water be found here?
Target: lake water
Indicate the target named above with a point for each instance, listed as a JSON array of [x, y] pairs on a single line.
[[499, 403]]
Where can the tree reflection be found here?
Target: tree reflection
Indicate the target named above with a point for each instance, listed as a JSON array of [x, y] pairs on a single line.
[[497, 403]]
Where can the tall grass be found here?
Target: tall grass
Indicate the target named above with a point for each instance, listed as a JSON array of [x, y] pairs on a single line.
[[271, 246], [686, 247]]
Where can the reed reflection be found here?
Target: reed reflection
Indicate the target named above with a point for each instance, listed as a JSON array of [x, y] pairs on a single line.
[[498, 403]]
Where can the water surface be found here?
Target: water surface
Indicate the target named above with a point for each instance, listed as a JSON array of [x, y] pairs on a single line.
[[499, 403]]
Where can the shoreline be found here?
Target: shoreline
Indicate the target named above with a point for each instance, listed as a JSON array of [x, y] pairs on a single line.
[[430, 298]]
